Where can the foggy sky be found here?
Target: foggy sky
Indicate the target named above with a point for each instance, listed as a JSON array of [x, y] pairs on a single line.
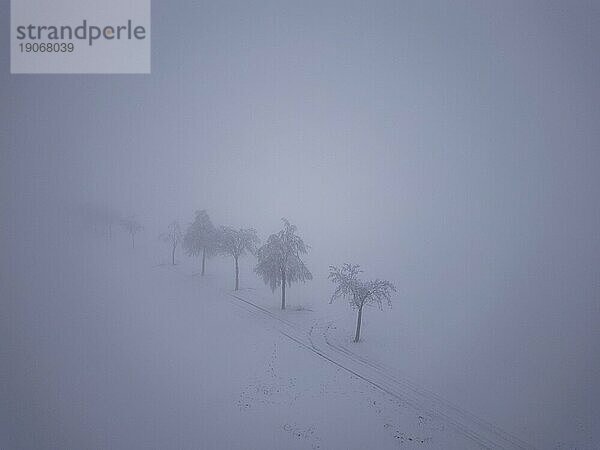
[[452, 147]]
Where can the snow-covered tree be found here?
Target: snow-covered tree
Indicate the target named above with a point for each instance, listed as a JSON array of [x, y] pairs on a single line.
[[201, 237], [279, 262], [237, 243], [173, 236], [358, 292], [133, 227]]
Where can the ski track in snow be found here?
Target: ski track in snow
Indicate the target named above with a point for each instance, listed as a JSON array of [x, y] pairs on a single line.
[[428, 404]]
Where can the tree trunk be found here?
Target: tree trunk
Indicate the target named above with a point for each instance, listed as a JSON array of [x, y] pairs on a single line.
[[237, 274], [359, 320], [283, 289], [203, 260], [132, 240], [173, 255]]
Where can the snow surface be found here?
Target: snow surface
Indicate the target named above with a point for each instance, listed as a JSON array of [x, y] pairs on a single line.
[[116, 348]]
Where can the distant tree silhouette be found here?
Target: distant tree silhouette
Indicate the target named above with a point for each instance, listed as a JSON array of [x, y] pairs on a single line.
[[133, 227], [172, 236], [201, 238], [237, 243]]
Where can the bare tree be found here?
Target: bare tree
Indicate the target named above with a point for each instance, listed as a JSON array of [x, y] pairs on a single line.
[[279, 262], [172, 236], [132, 226], [201, 237], [237, 243], [359, 293]]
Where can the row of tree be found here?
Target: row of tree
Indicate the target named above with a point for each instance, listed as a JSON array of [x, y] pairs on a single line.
[[279, 260]]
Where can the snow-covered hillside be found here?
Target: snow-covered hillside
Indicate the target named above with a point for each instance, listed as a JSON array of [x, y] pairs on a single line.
[[130, 353], [116, 348]]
